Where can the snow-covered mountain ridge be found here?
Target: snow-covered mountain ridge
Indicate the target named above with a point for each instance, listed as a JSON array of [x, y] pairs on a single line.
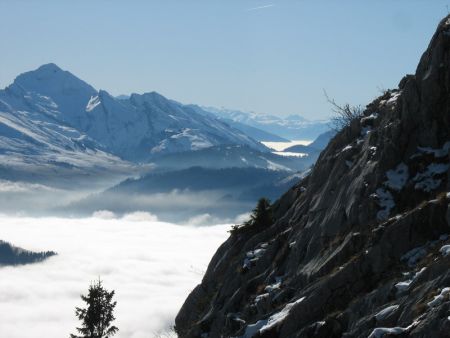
[[292, 127], [49, 107], [63, 140]]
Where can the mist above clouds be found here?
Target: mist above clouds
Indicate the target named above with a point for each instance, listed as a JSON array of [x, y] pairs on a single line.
[[176, 206], [15, 187], [197, 220], [34, 199], [103, 214], [152, 266], [207, 219]]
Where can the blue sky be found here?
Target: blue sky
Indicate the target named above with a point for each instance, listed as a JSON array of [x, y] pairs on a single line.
[[267, 56]]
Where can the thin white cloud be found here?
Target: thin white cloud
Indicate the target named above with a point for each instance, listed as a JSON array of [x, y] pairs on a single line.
[[151, 265], [260, 7], [103, 214], [202, 219], [140, 216], [207, 219], [10, 187], [239, 219]]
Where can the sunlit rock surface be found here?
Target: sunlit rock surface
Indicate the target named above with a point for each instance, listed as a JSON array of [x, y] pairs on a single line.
[[359, 247]]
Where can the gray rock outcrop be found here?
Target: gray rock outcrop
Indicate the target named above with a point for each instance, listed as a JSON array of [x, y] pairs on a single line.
[[359, 248]]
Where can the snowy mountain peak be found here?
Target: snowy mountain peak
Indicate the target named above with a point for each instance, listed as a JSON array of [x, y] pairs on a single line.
[[49, 76], [47, 69], [135, 129], [67, 91]]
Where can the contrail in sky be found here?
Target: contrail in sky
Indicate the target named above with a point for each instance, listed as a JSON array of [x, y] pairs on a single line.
[[260, 7]]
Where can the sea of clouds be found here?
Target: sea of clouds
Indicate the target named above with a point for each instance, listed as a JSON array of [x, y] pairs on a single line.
[[151, 265]]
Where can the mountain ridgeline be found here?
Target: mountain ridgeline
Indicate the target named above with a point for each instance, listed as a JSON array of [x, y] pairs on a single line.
[[64, 144], [56, 128], [291, 127], [359, 247], [58, 106]]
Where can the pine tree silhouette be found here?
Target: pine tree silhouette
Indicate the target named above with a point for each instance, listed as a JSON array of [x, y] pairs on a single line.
[[97, 317], [261, 218], [262, 214]]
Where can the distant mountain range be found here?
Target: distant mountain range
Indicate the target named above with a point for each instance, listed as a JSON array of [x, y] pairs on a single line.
[[292, 127], [57, 130], [263, 127], [220, 181], [235, 156], [54, 104], [219, 193], [250, 130]]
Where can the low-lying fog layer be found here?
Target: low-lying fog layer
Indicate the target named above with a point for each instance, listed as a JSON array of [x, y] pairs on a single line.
[[177, 206], [151, 265], [280, 146]]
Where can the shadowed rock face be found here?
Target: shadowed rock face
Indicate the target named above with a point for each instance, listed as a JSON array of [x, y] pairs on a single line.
[[358, 248]]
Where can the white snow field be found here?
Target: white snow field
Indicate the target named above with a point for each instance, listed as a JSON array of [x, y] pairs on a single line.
[[151, 265]]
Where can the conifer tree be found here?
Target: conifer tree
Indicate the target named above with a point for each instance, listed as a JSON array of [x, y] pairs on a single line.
[[260, 218], [97, 317], [262, 215]]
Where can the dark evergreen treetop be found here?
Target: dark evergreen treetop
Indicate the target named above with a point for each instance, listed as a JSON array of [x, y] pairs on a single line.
[[261, 217], [97, 317]]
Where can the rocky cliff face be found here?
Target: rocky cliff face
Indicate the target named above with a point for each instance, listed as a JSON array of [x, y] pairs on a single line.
[[360, 247]]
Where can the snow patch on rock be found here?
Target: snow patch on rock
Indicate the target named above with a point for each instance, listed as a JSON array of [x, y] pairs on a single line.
[[279, 317], [393, 99], [93, 102], [381, 332], [445, 250], [439, 299], [438, 153], [253, 256], [386, 312], [386, 202], [397, 178], [405, 285], [426, 180], [371, 117]]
